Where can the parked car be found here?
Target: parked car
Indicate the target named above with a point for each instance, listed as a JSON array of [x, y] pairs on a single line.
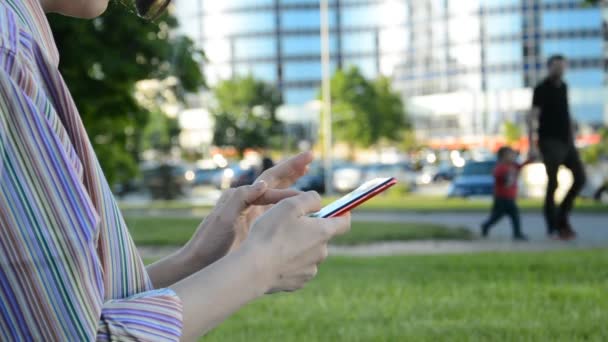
[[314, 180], [234, 176], [476, 179], [403, 172], [347, 177], [166, 181], [205, 176]]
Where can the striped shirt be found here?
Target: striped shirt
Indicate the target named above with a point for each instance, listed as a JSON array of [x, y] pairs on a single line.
[[69, 270]]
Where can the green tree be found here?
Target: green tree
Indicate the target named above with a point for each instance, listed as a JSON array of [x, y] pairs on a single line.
[[365, 112], [592, 154], [245, 113], [101, 61], [511, 131]]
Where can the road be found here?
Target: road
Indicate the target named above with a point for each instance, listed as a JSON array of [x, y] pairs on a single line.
[[592, 233], [591, 228]]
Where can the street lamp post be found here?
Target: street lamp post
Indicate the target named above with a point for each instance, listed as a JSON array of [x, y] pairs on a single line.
[[326, 93]]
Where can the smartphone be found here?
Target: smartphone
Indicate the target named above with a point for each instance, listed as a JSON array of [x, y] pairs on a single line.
[[364, 192]]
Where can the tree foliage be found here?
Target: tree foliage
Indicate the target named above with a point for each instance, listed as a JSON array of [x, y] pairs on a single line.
[[245, 113], [511, 131], [101, 61], [363, 111]]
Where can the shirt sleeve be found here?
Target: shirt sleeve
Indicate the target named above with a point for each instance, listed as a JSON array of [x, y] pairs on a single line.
[[51, 278]]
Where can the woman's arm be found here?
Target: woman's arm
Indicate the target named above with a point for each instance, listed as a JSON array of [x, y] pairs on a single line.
[[217, 233], [281, 253], [229, 221]]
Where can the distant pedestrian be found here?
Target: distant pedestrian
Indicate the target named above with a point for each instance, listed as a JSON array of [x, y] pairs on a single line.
[[556, 142], [267, 163], [506, 174]]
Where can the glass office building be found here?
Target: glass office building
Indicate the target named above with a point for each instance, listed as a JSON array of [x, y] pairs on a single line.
[[463, 66]]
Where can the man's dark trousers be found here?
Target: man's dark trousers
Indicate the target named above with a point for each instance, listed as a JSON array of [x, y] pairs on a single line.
[[556, 153]]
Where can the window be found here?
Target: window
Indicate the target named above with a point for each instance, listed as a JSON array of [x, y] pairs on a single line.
[[504, 80], [500, 3], [304, 19], [305, 45], [501, 53], [386, 13], [360, 42], [254, 48], [218, 6], [503, 24], [304, 71], [261, 71], [572, 19], [584, 78], [299, 96], [573, 48], [588, 113], [234, 23]]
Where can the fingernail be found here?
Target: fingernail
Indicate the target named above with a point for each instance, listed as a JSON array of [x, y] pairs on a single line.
[[260, 184]]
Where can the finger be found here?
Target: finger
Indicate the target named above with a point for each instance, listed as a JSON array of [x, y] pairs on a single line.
[[297, 280], [286, 173], [302, 204], [331, 227], [272, 196], [313, 256], [242, 197]]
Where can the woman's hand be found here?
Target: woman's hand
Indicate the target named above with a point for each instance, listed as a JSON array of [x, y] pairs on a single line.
[[289, 244], [281, 253], [227, 225]]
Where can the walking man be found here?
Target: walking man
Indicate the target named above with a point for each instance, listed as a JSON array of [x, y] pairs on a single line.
[[550, 119]]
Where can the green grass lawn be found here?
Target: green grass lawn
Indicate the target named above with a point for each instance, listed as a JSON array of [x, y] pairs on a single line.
[[552, 296], [168, 231], [416, 203]]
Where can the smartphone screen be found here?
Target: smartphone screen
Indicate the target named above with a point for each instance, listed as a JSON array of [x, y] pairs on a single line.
[[364, 192]]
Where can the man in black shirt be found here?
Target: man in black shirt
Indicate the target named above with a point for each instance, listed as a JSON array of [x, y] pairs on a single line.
[[556, 143]]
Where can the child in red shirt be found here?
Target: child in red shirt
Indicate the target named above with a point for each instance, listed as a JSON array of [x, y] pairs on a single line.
[[505, 193]]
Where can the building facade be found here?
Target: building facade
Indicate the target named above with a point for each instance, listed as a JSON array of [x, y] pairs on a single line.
[[463, 66]]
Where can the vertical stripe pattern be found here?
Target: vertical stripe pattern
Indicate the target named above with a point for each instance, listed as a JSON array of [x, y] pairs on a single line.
[[69, 270]]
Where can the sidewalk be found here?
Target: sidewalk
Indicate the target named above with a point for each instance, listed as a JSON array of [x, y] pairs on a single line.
[[424, 247], [592, 233]]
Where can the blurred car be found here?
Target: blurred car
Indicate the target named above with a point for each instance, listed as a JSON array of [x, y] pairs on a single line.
[[347, 178], [476, 179], [205, 176], [314, 180], [445, 172], [234, 176], [167, 181], [403, 172]]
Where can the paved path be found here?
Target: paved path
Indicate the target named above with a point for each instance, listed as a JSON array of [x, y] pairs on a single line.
[[592, 233], [424, 247], [591, 228]]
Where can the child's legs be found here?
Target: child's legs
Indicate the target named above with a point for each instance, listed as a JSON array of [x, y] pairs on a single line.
[[498, 210], [513, 211]]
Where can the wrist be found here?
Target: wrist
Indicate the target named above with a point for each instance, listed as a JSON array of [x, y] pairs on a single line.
[[255, 261]]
